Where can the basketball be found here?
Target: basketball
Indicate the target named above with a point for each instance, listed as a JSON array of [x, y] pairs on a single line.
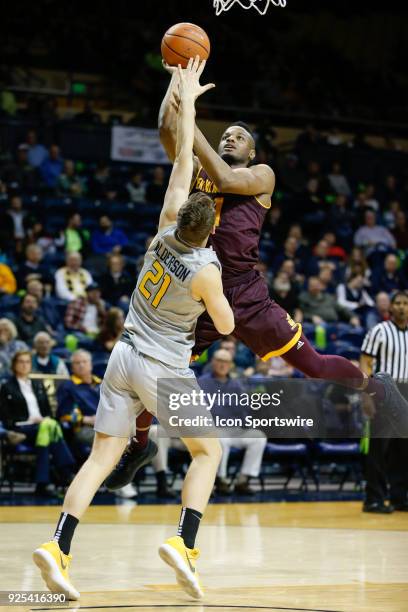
[[182, 41]]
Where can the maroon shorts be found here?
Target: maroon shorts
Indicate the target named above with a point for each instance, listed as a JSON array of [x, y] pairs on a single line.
[[260, 323]]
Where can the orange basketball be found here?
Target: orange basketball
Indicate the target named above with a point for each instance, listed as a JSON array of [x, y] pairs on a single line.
[[182, 41]]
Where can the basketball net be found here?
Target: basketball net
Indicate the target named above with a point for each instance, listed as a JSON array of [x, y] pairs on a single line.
[[259, 5]]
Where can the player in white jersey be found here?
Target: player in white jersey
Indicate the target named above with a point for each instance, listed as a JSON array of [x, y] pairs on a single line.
[[180, 279]]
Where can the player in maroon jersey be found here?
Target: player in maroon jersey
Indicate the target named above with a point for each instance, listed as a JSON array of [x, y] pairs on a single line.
[[242, 193]]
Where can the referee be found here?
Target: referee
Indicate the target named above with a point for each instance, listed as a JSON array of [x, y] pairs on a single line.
[[385, 349]]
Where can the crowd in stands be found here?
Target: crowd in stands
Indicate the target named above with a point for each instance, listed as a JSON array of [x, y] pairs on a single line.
[[72, 238], [299, 69]]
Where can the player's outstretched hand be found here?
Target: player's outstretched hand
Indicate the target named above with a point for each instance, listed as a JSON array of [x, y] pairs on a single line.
[[189, 84]]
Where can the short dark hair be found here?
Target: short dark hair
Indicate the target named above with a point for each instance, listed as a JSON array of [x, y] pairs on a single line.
[[398, 294], [245, 126], [196, 218]]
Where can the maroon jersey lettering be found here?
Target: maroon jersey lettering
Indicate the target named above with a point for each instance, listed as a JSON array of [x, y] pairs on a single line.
[[239, 220]]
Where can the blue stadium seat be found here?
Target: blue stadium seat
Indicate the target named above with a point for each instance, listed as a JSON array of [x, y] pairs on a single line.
[[292, 457], [343, 457]]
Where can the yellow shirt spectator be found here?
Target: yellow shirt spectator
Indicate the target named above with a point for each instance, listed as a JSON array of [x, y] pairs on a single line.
[[8, 282]]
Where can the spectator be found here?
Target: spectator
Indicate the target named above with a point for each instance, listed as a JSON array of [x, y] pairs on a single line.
[[290, 251], [296, 280], [390, 214], [320, 307], [400, 230], [390, 191], [69, 183], [156, 188], [326, 279], [71, 280], [108, 239], [101, 182], [389, 278], [353, 296], [284, 294], [52, 167], [32, 266], [320, 258], [37, 153], [9, 345], [78, 398], [340, 221], [76, 237], [381, 312], [357, 261], [87, 313], [342, 413], [275, 367], [29, 322], [136, 188], [37, 234], [17, 214], [8, 283], [20, 173], [46, 305], [253, 441], [334, 137], [44, 361], [25, 407], [370, 235], [112, 329], [334, 250], [116, 283], [338, 181], [371, 200]]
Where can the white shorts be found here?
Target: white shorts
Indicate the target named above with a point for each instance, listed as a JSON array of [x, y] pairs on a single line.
[[130, 385]]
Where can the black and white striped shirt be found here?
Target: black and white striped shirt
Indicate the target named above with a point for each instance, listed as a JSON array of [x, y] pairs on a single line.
[[388, 344]]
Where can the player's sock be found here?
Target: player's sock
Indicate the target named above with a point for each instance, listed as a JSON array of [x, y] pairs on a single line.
[[332, 367], [143, 422], [188, 526], [65, 531]]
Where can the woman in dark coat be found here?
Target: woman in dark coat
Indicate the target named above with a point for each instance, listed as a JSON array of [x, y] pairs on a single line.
[[24, 407]]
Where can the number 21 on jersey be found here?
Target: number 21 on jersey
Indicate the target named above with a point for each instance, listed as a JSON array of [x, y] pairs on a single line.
[[159, 279]]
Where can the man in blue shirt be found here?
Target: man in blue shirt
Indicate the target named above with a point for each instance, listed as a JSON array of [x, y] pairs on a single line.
[[78, 398], [252, 441], [108, 239], [52, 167]]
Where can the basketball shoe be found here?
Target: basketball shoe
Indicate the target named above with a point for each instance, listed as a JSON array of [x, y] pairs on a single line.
[[183, 561], [54, 564], [132, 460]]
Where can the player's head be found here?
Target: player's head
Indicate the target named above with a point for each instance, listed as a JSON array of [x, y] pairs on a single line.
[[399, 307], [237, 145], [196, 219]]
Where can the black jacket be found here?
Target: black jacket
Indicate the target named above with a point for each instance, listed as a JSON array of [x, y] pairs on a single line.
[[13, 407]]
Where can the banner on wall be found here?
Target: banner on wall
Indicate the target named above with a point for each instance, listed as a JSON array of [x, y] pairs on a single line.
[[137, 145]]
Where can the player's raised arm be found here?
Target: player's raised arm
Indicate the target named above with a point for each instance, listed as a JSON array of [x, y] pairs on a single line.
[[167, 122], [207, 286], [181, 175], [237, 146]]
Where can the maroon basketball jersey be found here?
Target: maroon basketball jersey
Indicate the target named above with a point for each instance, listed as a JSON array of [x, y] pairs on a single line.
[[239, 220]]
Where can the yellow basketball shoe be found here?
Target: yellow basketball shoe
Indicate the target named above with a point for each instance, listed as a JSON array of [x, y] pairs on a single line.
[[183, 561], [54, 564]]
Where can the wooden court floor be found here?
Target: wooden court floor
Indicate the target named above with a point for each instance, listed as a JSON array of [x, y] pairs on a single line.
[[307, 557]]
